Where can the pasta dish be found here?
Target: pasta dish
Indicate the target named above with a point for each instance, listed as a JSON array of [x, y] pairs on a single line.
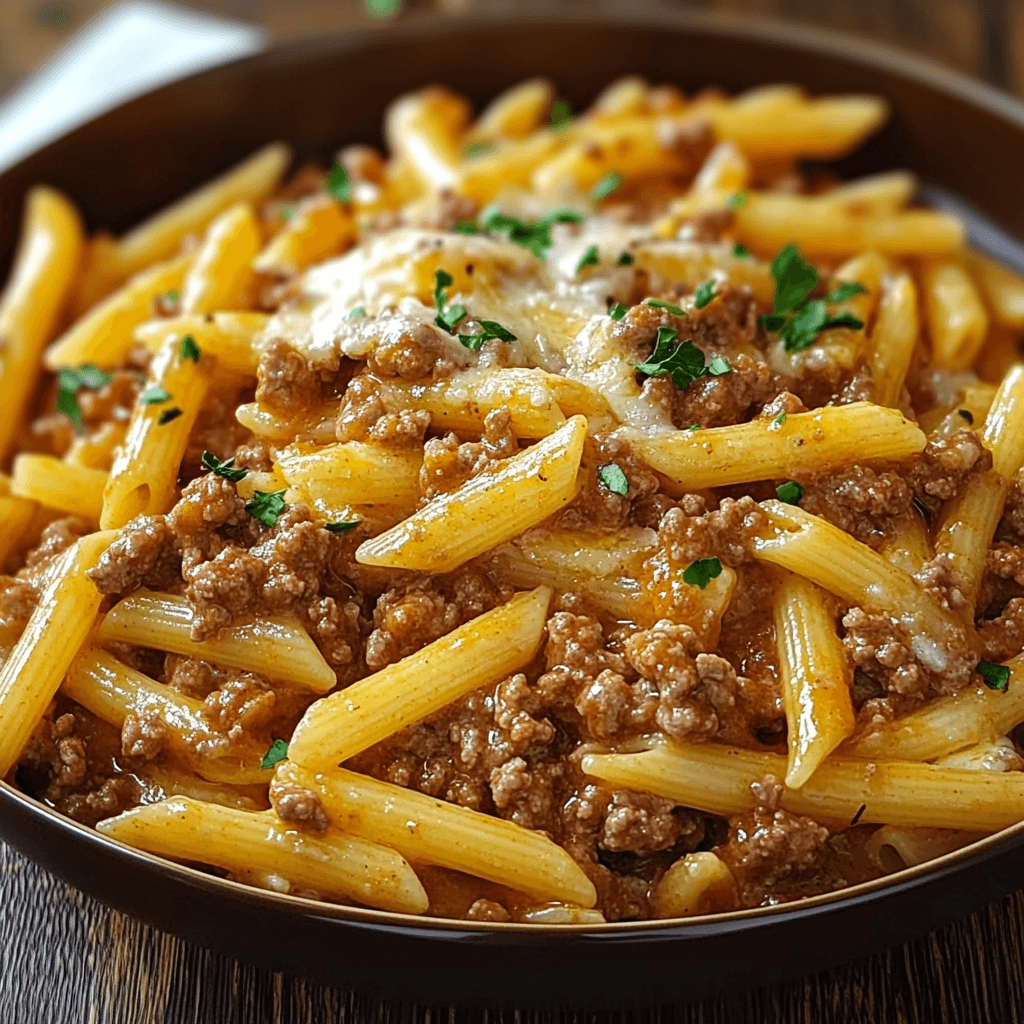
[[563, 517]]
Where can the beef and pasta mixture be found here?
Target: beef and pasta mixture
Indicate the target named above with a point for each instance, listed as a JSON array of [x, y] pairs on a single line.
[[632, 509]]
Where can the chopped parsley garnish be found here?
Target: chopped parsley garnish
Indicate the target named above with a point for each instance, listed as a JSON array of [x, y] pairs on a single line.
[[286, 212], [535, 237], [738, 200], [659, 304], [466, 227], [618, 311], [489, 329], [171, 295], [476, 148], [702, 572], [857, 816], [589, 259], [561, 114], [613, 478], [625, 259], [225, 469], [358, 311], [705, 293], [168, 415], [338, 184], [154, 396], [845, 291], [266, 507], [69, 381], [995, 677], [342, 527], [447, 316], [606, 186], [790, 492], [188, 349], [779, 420], [741, 252], [278, 752], [683, 362], [693, 427], [966, 414], [798, 320]]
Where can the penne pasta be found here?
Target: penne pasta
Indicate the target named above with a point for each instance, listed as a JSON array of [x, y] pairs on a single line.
[[221, 272], [718, 779], [1002, 288], [337, 866], [317, 229], [33, 301], [698, 883], [423, 829], [227, 336], [72, 489], [277, 647], [17, 514], [514, 113], [32, 672], [893, 339], [489, 509], [424, 129], [808, 442], [956, 316]]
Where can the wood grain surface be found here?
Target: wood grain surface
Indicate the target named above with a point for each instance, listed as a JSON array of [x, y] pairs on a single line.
[[66, 959]]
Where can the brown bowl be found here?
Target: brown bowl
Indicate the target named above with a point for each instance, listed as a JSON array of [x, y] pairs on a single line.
[[967, 142]]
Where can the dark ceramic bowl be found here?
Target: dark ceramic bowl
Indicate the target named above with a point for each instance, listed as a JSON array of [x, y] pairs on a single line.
[[967, 142]]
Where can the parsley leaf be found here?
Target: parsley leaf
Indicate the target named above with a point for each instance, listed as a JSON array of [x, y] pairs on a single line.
[[738, 200], [171, 295], [683, 362], [266, 507], [154, 396], [625, 259], [618, 311], [658, 304], [589, 259], [995, 677], [702, 572], [476, 148], [794, 278], [489, 329], [802, 329], [338, 184], [224, 469], [606, 186], [718, 367], [741, 252], [342, 527], [536, 237], [358, 311], [790, 492], [779, 420], [705, 293], [845, 291], [613, 478], [561, 114], [278, 752], [167, 415], [466, 227], [447, 316], [69, 381], [188, 349]]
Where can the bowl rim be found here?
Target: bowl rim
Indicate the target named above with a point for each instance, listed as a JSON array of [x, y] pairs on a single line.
[[850, 48]]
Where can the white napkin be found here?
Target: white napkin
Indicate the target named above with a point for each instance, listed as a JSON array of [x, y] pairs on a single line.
[[127, 50]]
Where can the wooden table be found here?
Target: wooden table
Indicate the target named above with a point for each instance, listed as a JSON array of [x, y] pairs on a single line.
[[66, 959]]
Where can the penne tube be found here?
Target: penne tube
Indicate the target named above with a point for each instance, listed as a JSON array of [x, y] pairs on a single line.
[[112, 690], [483, 651], [75, 490], [724, 174], [768, 221], [17, 514], [97, 450], [99, 276], [956, 316], [144, 477], [514, 113], [808, 442], [489, 509], [336, 866], [885, 192], [969, 521], [163, 779], [621, 98], [161, 236], [33, 670], [318, 229], [693, 263], [32, 302], [698, 883], [227, 336], [221, 273], [825, 555], [1003, 289], [317, 428], [815, 677], [104, 336], [971, 716], [275, 646], [909, 546], [432, 831], [894, 338], [354, 473], [425, 128], [717, 779], [508, 165]]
